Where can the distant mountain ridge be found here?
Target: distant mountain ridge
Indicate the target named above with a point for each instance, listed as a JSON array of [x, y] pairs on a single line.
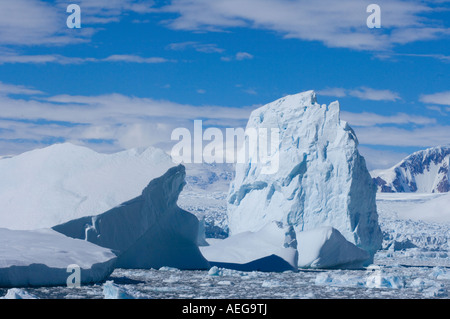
[[425, 171]]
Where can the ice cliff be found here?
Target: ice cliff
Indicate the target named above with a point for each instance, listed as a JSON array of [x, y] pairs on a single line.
[[149, 231], [321, 179]]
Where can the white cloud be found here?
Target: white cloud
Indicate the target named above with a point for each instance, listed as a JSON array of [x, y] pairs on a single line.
[[372, 119], [12, 58], [199, 47], [334, 23], [10, 89], [381, 159], [133, 59], [119, 121], [336, 92], [240, 56], [363, 93], [427, 136], [37, 22], [122, 121], [441, 98], [243, 56]]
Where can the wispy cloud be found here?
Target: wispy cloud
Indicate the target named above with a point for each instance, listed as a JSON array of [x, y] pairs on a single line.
[[392, 55], [376, 158], [133, 59], [372, 119], [197, 46], [32, 117], [39, 22], [240, 56], [363, 93], [441, 98], [10, 89], [116, 120], [63, 60], [426, 136], [334, 23]]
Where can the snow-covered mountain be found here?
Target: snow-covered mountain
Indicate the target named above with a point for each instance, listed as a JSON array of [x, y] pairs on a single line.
[[425, 171], [322, 179], [50, 186]]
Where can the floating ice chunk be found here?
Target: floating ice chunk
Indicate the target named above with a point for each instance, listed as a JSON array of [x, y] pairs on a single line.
[[338, 279], [325, 247], [380, 280], [215, 271], [435, 292], [16, 293], [42, 257], [113, 291], [265, 250]]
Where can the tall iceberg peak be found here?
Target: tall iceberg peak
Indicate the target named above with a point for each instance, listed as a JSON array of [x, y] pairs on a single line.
[[321, 180]]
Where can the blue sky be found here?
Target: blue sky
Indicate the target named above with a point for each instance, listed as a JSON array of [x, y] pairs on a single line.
[[138, 69]]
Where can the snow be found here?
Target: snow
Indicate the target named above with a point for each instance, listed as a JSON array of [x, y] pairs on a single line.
[[41, 258], [325, 247], [322, 179], [50, 186], [149, 231], [269, 249], [433, 210]]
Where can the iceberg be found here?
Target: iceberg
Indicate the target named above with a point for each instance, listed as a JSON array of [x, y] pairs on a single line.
[[149, 231], [272, 248], [321, 180], [42, 257], [326, 248], [46, 187]]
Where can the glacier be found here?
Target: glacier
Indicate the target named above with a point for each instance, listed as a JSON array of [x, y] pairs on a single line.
[[42, 257], [149, 231], [322, 179], [425, 171], [46, 187]]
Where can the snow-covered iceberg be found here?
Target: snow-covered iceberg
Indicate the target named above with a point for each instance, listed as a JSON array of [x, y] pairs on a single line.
[[272, 248], [322, 180], [149, 231], [42, 257], [46, 187], [325, 247]]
